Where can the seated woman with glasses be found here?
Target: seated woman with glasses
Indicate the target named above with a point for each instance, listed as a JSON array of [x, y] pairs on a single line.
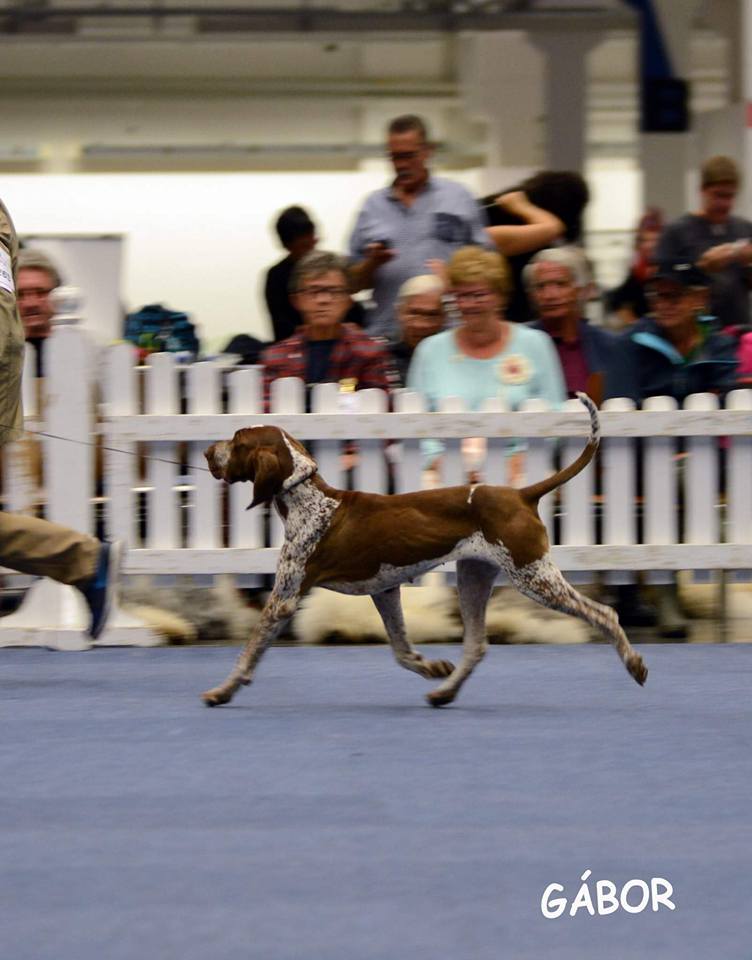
[[485, 356], [325, 349]]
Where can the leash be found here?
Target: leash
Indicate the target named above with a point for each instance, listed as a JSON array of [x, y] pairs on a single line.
[[89, 443]]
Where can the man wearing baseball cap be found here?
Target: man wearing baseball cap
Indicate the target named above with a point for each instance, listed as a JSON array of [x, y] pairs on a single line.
[[677, 349], [716, 242]]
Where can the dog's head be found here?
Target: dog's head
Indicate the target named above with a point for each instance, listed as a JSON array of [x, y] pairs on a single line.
[[267, 456]]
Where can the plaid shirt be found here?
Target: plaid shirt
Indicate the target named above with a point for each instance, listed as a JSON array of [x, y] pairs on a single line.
[[355, 356]]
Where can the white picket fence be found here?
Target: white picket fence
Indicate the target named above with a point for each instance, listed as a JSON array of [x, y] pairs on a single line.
[[179, 520]]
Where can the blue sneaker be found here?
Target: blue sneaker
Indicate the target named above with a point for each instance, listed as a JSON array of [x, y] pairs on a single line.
[[100, 590]]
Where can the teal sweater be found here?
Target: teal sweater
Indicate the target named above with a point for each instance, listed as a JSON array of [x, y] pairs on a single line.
[[528, 367]]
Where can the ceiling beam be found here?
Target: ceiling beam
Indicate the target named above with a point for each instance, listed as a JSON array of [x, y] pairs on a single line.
[[434, 18]]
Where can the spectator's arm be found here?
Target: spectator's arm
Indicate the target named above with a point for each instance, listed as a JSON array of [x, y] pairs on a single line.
[[538, 231], [366, 254], [363, 272], [725, 255], [476, 217]]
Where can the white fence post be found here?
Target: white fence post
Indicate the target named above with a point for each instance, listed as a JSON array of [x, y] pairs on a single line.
[[495, 470], [578, 522], [701, 510], [205, 518], [660, 489], [52, 614], [287, 396], [246, 526], [539, 464], [162, 397], [328, 453], [739, 476], [619, 494], [371, 466], [120, 463], [408, 459], [69, 414], [452, 470]]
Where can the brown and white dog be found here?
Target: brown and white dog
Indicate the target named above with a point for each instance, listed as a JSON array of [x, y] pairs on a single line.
[[364, 543]]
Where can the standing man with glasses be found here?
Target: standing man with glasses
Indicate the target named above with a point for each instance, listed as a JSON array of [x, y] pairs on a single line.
[[325, 349], [418, 218]]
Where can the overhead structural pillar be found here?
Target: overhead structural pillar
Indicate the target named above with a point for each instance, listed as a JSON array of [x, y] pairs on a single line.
[[500, 83], [665, 35], [565, 95]]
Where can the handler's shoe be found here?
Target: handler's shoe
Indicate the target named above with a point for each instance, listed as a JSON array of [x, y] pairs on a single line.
[[100, 591]]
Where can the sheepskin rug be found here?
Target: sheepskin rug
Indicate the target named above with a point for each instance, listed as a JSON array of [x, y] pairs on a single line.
[[701, 600], [184, 612], [431, 614]]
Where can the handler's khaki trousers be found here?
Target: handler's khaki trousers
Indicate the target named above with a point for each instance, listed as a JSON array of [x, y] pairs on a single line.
[[45, 549]]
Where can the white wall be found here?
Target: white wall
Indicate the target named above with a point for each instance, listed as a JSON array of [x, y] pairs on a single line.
[[197, 242], [201, 242]]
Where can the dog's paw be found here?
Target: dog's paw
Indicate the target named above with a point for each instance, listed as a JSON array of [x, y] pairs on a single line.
[[438, 668], [217, 696], [637, 669], [439, 698]]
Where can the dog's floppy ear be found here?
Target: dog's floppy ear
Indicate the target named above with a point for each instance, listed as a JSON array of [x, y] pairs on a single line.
[[265, 469]]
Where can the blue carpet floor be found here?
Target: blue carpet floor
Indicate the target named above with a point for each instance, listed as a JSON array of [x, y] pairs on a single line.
[[327, 814]]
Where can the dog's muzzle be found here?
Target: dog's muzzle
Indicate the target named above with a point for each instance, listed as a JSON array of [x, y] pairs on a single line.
[[218, 456]]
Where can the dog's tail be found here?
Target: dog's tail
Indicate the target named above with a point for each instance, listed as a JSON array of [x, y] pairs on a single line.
[[535, 491]]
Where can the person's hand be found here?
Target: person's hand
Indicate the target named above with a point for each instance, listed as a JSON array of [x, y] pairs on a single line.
[[719, 257], [513, 202], [379, 254], [440, 269]]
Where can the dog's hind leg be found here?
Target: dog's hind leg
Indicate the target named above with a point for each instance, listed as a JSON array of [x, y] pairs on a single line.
[[543, 582], [475, 580], [390, 609]]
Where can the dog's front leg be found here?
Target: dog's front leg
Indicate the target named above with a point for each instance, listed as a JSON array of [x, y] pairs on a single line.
[[275, 614], [390, 609], [280, 606]]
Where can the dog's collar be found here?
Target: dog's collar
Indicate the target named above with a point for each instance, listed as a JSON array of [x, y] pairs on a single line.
[[292, 486], [296, 483]]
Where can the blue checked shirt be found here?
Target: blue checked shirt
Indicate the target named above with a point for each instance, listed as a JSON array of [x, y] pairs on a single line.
[[444, 217]]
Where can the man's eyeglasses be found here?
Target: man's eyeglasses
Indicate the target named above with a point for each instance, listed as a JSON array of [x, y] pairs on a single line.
[[33, 292], [332, 293], [404, 155]]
